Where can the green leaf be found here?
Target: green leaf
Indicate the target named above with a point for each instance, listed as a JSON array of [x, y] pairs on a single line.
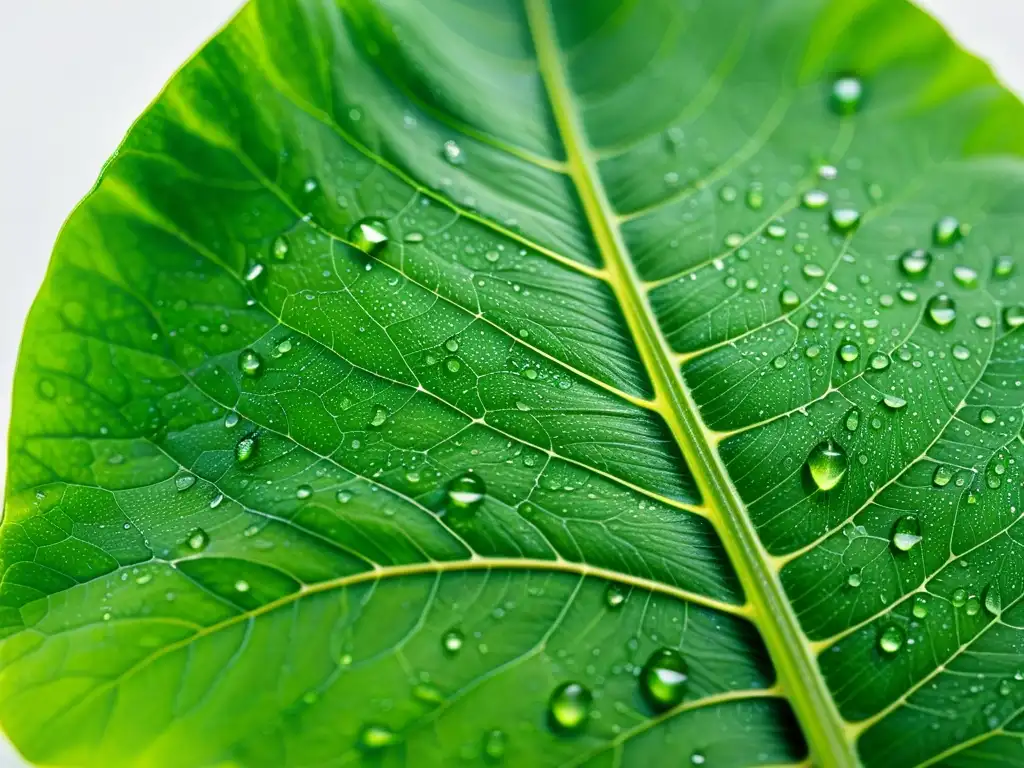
[[533, 382]]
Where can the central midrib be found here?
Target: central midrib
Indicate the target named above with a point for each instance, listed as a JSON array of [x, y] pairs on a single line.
[[795, 665]]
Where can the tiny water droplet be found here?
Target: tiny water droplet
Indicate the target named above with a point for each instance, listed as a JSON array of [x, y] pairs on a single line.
[[941, 310], [906, 533], [663, 679], [827, 464], [369, 235], [569, 707]]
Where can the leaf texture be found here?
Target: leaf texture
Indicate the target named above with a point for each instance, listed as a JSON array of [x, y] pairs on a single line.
[[414, 359]]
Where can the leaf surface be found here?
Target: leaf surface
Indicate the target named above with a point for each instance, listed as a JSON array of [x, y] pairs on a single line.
[[413, 360]]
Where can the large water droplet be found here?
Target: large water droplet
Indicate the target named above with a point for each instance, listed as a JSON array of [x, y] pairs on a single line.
[[987, 416], [249, 362], [941, 310], [942, 476], [1014, 316], [374, 737], [380, 415], [847, 94], [849, 352], [894, 402], [788, 298], [451, 642], [569, 707], [827, 464], [184, 481], [992, 599], [814, 199], [920, 609], [965, 276], [906, 533], [915, 262], [615, 595], [1002, 267], [369, 235], [852, 419], [452, 152], [663, 679], [891, 640], [198, 540], [465, 491]]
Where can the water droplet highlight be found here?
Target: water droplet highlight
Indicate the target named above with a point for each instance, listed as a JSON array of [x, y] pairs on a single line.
[[827, 464], [569, 707], [663, 679]]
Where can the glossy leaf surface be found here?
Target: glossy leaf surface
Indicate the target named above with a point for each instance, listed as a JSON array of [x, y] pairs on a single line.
[[537, 382]]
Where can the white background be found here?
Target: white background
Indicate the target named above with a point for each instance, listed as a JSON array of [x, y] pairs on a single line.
[[74, 74]]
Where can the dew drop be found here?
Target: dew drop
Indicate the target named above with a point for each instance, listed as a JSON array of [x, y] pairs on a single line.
[[1002, 267], [245, 449], [960, 352], [198, 540], [879, 361], [569, 707], [853, 419], [827, 464], [844, 220], [941, 310], [231, 419], [253, 273], [814, 271], [249, 362], [942, 476], [280, 248], [663, 679], [847, 94], [920, 608], [369, 235], [343, 497], [947, 231], [967, 277], [494, 745], [814, 199], [615, 595], [992, 599], [987, 416], [854, 579], [1014, 316], [374, 737], [755, 196], [959, 597], [894, 402], [849, 352], [776, 230], [915, 262], [303, 492], [241, 585], [906, 533], [380, 415], [891, 640], [452, 153], [465, 492], [184, 481], [788, 298], [451, 642]]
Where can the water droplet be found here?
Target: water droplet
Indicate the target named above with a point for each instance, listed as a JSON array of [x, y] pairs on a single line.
[[1014, 316], [879, 361], [451, 642], [727, 194], [959, 597], [854, 579], [343, 497], [198, 540], [895, 402], [697, 758], [494, 745], [453, 153], [231, 419], [920, 609], [814, 199], [615, 595], [853, 419], [755, 196], [847, 94], [947, 231], [427, 693], [1002, 267], [987, 416], [960, 352], [465, 492], [788, 298], [380, 415], [254, 271], [814, 271], [663, 679], [216, 501], [941, 310], [849, 352], [827, 464], [776, 230], [245, 449], [569, 707], [452, 345], [992, 599], [973, 607], [942, 476], [891, 640], [242, 585], [249, 362], [779, 362], [374, 737], [828, 172], [303, 492], [184, 481], [280, 248], [452, 365], [844, 220], [965, 276], [369, 235], [906, 533], [983, 321], [915, 262]]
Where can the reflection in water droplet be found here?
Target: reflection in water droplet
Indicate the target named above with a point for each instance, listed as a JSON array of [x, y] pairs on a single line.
[[891, 640], [369, 235], [827, 463], [380, 415], [569, 707], [941, 310], [915, 262], [663, 679], [906, 533], [788, 298]]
